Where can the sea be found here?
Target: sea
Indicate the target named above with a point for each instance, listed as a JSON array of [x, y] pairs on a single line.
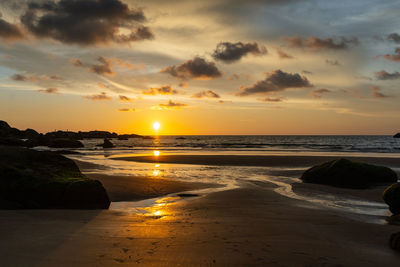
[[230, 177]]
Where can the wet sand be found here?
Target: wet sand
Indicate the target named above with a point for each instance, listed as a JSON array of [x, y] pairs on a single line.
[[250, 225], [133, 188], [249, 160]]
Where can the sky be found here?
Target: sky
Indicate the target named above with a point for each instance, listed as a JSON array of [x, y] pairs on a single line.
[[201, 67]]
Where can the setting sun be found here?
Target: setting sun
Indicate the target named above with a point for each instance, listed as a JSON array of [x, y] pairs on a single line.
[[156, 125], [156, 153]]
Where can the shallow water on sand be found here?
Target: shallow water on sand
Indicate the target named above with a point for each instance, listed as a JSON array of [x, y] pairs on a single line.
[[231, 177]]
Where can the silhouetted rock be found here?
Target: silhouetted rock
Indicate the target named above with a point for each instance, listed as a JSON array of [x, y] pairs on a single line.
[[349, 174], [106, 144], [11, 141], [394, 241], [397, 135], [122, 138], [44, 179], [130, 136], [64, 143], [391, 196]]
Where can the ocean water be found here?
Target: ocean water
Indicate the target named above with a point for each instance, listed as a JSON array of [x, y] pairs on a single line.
[[258, 144]]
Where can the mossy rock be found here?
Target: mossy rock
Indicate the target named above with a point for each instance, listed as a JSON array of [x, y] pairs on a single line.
[[349, 174], [42, 179], [391, 196]]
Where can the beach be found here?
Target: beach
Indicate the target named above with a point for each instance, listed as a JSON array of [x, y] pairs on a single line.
[[252, 223]]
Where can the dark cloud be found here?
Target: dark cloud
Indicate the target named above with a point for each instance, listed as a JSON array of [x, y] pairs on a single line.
[[163, 90], [197, 68], [319, 92], [283, 55], [332, 62], [124, 98], [31, 78], [172, 105], [230, 52], [10, 31], [105, 66], [272, 99], [315, 44], [275, 81], [207, 94], [394, 37], [125, 109], [384, 75], [393, 57], [101, 96], [20, 78], [375, 92], [86, 22], [49, 91]]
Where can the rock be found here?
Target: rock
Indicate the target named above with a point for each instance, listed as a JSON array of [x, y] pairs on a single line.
[[67, 152], [64, 143], [11, 141], [349, 174], [394, 219], [106, 144], [391, 196], [43, 179], [122, 138], [397, 135], [394, 241]]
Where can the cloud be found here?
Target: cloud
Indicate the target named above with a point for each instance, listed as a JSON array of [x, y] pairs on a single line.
[[101, 96], [163, 90], [375, 92], [332, 62], [183, 85], [207, 94], [172, 105], [384, 75], [394, 57], [228, 52], [316, 44], [394, 37], [86, 22], [272, 99], [49, 91], [31, 78], [275, 81], [306, 72], [104, 67], [197, 68], [10, 31], [125, 109], [124, 98], [319, 92], [283, 55]]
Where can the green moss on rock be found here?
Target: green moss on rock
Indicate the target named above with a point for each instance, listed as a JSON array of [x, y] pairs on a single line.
[[39, 179], [349, 174]]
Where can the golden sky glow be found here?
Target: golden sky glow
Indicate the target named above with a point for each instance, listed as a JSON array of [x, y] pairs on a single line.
[[207, 67]]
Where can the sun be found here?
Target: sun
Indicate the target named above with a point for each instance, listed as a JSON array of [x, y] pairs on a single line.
[[156, 125]]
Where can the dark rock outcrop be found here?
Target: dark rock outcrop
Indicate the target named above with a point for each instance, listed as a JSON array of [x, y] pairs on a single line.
[[106, 144], [349, 174], [397, 135], [391, 196], [42, 179], [394, 241], [64, 143]]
